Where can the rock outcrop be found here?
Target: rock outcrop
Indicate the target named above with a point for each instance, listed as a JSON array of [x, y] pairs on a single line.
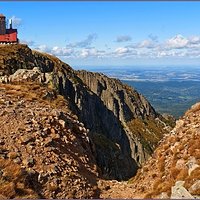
[[124, 129], [125, 102], [179, 191]]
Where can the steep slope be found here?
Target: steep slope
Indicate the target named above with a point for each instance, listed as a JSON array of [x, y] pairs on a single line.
[[142, 125], [123, 100], [123, 127], [41, 135], [174, 169]]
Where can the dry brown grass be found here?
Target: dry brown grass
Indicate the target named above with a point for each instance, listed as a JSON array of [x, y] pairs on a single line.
[[182, 175], [34, 92], [194, 146], [12, 181], [196, 154], [171, 140], [164, 185], [173, 173], [149, 132], [7, 189], [181, 147], [195, 108], [161, 164], [159, 187]]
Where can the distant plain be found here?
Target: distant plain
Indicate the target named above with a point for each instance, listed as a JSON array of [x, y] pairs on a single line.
[[170, 89]]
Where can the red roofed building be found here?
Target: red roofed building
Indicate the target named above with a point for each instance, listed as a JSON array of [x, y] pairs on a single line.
[[7, 35]]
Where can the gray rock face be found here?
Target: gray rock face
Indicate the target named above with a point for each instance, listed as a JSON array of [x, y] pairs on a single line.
[[179, 192], [29, 75], [106, 106], [112, 145], [26, 75], [125, 102], [103, 104]]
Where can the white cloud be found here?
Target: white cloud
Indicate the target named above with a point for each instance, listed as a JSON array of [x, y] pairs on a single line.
[[147, 44], [177, 42], [16, 21], [85, 53], [122, 50], [43, 48], [62, 51], [57, 51], [194, 40]]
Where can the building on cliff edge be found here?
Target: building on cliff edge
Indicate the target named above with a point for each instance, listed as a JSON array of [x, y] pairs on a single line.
[[7, 36]]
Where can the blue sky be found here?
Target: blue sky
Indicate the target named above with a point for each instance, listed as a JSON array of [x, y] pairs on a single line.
[[110, 33]]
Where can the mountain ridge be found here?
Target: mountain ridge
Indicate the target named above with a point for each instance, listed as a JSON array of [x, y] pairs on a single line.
[[123, 128], [94, 129], [91, 108]]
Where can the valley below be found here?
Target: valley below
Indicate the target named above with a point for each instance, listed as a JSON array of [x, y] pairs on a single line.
[[172, 97], [171, 89]]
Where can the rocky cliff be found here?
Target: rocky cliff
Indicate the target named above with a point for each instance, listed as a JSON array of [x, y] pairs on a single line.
[[142, 125], [123, 127], [125, 102], [173, 171]]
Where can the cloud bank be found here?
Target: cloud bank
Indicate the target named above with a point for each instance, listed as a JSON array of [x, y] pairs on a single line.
[[177, 46]]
